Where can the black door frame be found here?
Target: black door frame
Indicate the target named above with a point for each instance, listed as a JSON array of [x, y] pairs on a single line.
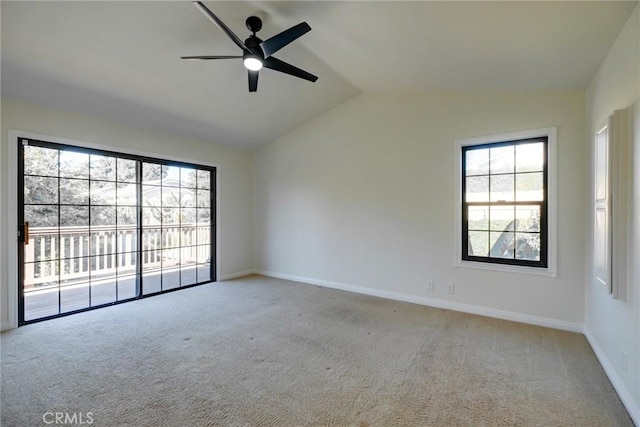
[[23, 141]]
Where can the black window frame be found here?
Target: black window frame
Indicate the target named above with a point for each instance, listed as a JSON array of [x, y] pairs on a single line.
[[543, 262]]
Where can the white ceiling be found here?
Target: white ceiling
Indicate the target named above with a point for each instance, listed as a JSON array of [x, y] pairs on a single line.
[[121, 59]]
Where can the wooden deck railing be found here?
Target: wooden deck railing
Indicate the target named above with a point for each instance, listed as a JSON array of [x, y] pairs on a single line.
[[68, 255]]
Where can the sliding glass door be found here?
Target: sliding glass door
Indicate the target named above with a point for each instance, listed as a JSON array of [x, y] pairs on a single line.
[[100, 228]]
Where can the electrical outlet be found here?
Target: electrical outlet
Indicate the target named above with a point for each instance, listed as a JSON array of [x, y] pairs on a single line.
[[624, 361], [431, 285], [451, 288]]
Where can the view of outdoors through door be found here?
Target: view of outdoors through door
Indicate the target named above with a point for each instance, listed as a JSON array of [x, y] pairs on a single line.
[[102, 227], [176, 218]]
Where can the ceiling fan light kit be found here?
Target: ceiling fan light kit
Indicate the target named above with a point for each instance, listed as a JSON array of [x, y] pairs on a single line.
[[256, 53], [252, 62]]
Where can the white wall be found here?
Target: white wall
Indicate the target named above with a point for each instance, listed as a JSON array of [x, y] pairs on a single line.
[[234, 175], [363, 198], [613, 326]]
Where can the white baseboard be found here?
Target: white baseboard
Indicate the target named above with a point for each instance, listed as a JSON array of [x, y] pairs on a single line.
[[618, 385], [433, 302], [235, 275]]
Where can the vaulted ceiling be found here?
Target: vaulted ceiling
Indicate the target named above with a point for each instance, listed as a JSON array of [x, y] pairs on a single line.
[[121, 59]]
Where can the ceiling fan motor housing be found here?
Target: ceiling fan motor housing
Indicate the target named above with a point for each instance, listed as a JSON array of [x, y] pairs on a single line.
[[253, 43]]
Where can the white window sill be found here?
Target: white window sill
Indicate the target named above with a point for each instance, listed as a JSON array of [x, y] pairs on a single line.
[[504, 268]]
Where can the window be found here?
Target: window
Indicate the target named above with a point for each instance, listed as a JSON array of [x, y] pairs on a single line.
[[504, 201], [602, 214]]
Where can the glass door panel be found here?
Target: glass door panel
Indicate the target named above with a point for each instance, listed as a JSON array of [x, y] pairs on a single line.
[[176, 212], [41, 211]]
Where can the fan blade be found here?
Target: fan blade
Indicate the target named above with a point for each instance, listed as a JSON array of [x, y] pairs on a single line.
[[277, 42], [253, 80], [197, 58], [221, 25], [283, 67]]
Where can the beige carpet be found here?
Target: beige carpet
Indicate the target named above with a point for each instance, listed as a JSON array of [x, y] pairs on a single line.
[[263, 352]]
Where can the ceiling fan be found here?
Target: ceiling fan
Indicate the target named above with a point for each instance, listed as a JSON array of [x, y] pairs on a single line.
[[255, 52]]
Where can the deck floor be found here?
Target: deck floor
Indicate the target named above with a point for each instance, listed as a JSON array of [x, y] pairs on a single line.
[[39, 303]]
